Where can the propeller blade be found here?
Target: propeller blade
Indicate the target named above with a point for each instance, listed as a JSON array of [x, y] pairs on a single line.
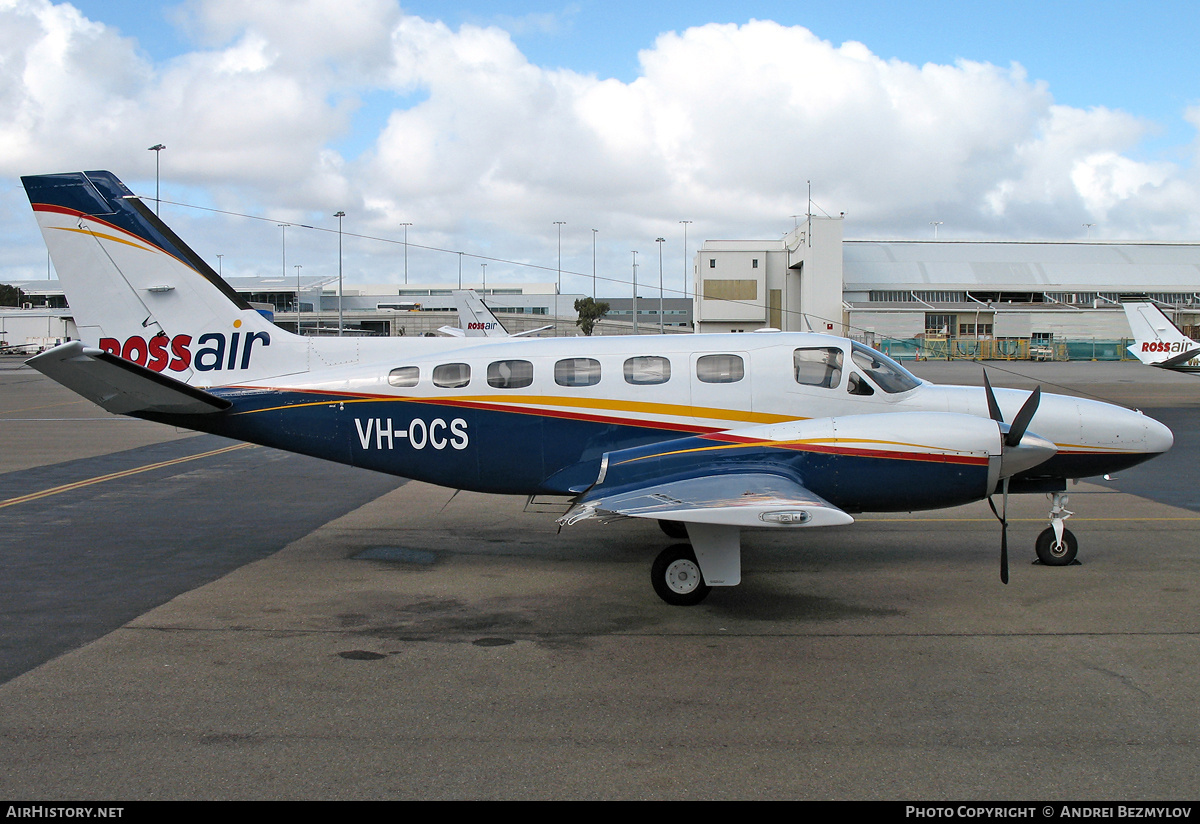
[[1004, 551], [1003, 519], [993, 407], [1024, 416]]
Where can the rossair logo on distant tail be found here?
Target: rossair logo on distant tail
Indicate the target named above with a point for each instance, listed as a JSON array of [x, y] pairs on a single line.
[[211, 351], [483, 326], [1164, 346]]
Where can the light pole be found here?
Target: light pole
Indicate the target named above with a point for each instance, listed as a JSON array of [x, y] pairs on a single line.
[[594, 233], [460, 271], [635, 323], [1089, 226], [558, 288], [660, 241], [156, 148], [220, 266], [935, 224], [484, 267], [283, 227], [406, 225], [339, 215], [283, 259], [685, 257], [298, 298]]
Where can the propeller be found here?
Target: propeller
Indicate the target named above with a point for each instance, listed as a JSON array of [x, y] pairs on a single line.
[[1014, 456]]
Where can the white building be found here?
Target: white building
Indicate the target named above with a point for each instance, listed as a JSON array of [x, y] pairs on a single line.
[[981, 294]]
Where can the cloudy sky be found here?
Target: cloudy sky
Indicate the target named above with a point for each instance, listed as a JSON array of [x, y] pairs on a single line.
[[483, 123]]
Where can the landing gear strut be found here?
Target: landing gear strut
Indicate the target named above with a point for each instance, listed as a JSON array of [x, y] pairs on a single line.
[[1056, 546]]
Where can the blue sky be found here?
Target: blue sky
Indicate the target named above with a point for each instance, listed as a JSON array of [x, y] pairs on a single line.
[[482, 123]]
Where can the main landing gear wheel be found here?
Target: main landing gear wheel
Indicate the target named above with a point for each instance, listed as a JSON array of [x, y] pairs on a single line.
[[676, 577], [1052, 553], [674, 529]]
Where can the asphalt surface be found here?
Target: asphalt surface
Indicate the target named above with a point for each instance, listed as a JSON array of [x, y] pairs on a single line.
[[247, 624]]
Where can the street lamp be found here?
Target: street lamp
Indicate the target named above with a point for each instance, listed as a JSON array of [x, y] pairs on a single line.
[[685, 266], [298, 298], [558, 288], [635, 323], [406, 225], [594, 233], [220, 266], [484, 267], [935, 224], [339, 215], [660, 241], [156, 148]]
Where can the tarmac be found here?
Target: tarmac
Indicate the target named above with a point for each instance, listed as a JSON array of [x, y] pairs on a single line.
[[187, 618]]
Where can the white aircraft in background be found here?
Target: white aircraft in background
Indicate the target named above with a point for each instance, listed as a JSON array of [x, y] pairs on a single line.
[[1157, 341], [477, 321], [707, 434]]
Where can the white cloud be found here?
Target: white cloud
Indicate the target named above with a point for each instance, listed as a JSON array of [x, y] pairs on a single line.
[[725, 125]]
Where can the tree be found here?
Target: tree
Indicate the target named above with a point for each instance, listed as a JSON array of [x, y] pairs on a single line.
[[9, 295], [590, 312]]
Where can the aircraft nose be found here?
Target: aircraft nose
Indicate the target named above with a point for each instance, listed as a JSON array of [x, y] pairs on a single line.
[[1158, 437]]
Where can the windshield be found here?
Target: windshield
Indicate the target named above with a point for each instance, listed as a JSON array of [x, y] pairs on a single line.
[[888, 375]]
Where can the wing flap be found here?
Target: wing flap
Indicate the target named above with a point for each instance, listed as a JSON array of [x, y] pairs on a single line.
[[758, 499], [122, 387]]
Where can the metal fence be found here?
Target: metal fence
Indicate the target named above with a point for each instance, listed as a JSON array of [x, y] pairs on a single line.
[[949, 348]]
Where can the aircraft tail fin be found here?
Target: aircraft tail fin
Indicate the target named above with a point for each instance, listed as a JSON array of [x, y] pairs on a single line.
[[137, 291], [476, 319], [1157, 341]]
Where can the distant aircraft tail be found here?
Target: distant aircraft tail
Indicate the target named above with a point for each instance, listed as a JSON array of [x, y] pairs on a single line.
[[476, 319], [1157, 341], [137, 291]]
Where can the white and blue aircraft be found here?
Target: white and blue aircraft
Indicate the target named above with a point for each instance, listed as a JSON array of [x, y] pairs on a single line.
[[707, 434], [1157, 341], [477, 321]]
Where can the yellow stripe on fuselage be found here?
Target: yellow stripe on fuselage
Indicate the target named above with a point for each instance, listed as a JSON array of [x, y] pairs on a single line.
[[540, 404]]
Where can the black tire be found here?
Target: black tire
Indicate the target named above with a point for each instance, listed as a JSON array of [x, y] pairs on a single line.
[[674, 529], [1051, 554], [677, 578]]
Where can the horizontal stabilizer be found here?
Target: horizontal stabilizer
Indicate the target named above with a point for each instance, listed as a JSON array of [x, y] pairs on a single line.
[[1181, 358], [122, 387], [759, 499]]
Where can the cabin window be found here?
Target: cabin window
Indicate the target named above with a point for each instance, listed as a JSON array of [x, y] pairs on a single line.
[[720, 369], [577, 372], [510, 374], [857, 385], [452, 375], [647, 369], [404, 376], [888, 375], [818, 366]]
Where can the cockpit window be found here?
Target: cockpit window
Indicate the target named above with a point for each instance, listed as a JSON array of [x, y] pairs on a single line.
[[888, 375], [818, 366]]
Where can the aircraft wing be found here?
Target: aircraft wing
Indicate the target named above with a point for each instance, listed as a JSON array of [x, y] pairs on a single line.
[[122, 387], [749, 498]]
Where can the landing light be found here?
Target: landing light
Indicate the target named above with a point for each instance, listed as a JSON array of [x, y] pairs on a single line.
[[798, 517]]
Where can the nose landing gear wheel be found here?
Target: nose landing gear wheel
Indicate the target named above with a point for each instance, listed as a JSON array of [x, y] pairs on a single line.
[[1052, 553], [677, 578]]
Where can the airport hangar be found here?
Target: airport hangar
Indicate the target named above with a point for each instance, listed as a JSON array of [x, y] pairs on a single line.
[[960, 298], [912, 298]]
